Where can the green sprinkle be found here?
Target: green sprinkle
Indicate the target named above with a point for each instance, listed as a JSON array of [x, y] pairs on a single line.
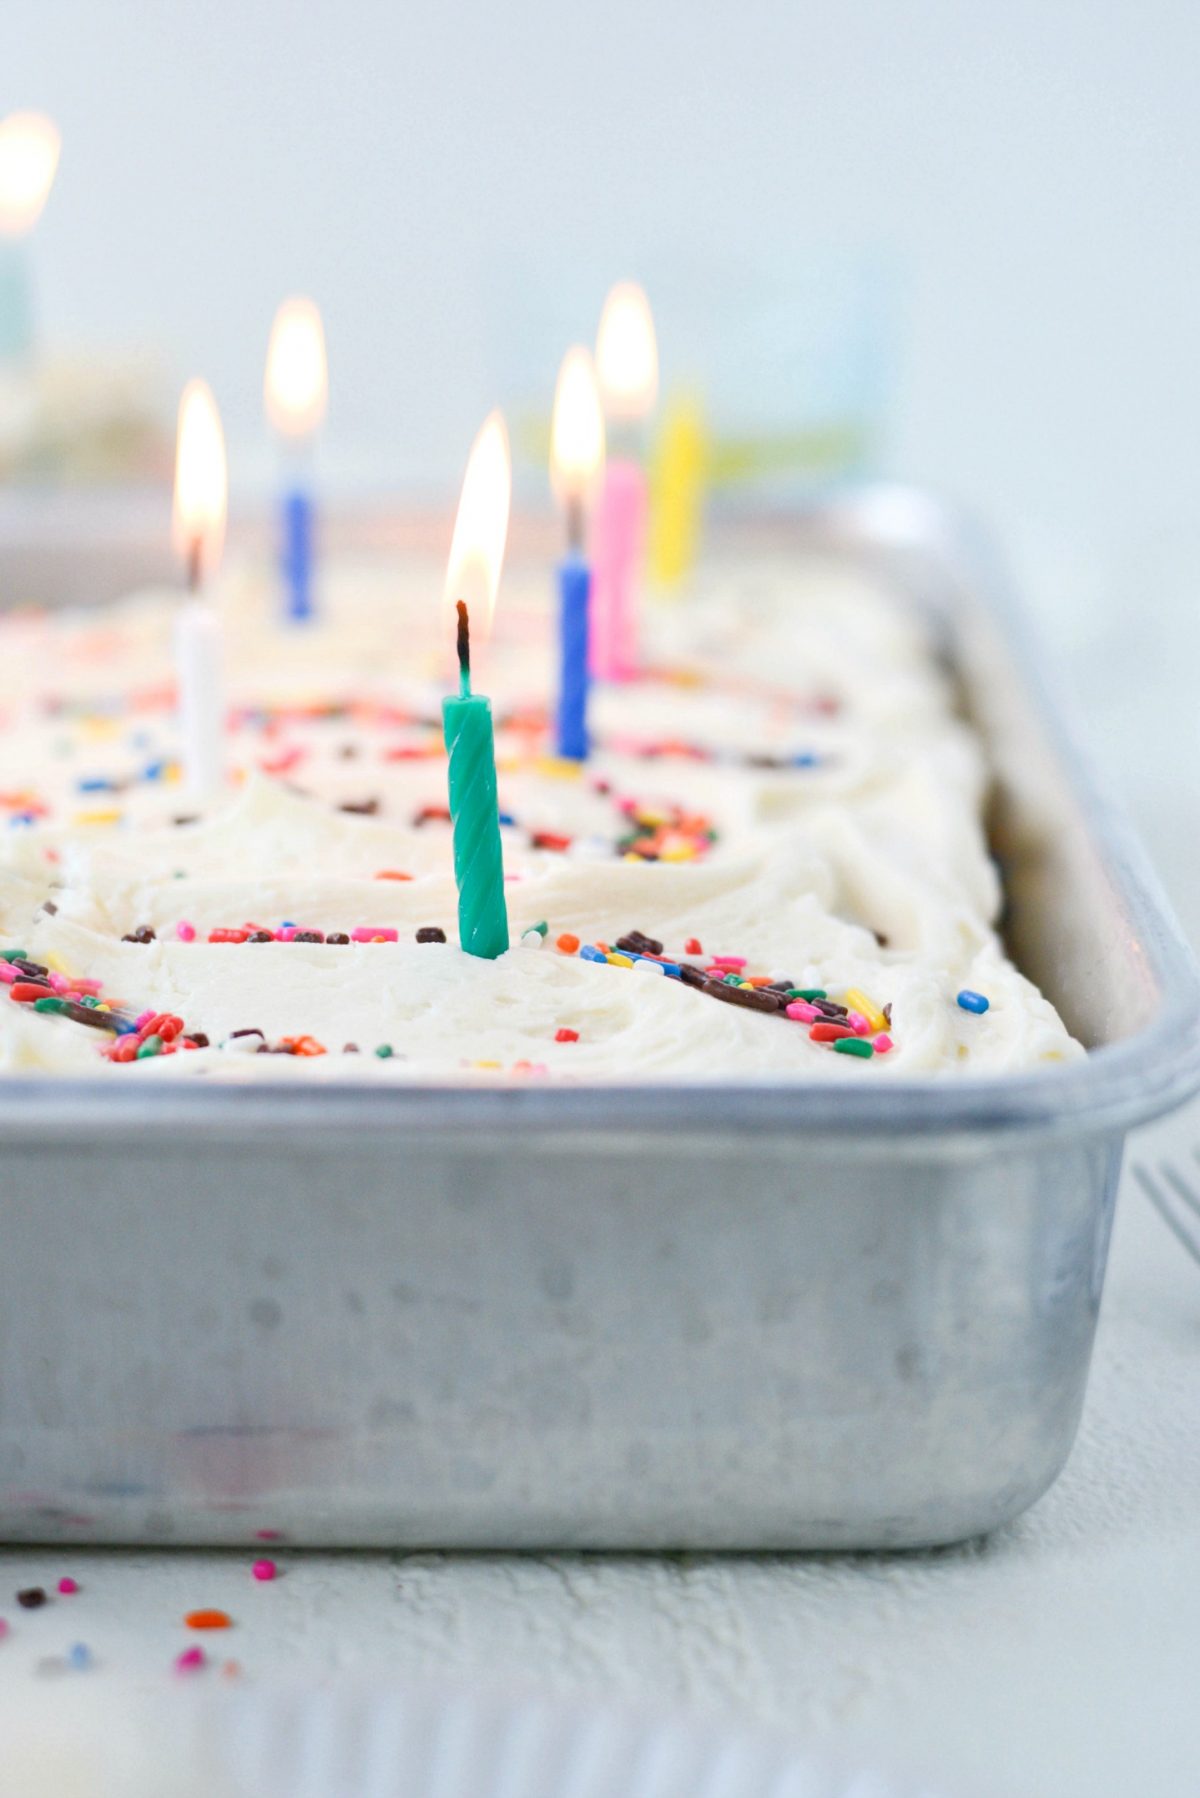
[[151, 1046], [854, 1045], [733, 980], [384, 1051], [88, 999], [807, 992], [541, 928], [49, 1004], [14, 955]]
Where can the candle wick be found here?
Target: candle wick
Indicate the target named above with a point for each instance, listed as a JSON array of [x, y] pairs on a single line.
[[195, 563], [464, 650], [575, 524]]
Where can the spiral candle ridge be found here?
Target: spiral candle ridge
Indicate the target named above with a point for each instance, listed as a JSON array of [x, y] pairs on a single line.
[[474, 811]]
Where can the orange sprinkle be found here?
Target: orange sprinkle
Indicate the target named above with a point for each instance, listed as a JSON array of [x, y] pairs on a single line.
[[208, 1620], [392, 874], [567, 943]]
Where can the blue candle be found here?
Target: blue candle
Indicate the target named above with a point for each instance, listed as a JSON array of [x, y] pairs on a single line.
[[297, 553], [574, 598], [295, 390], [576, 463]]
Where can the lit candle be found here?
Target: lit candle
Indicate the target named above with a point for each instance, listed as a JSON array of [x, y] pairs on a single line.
[[627, 366], [472, 577], [576, 465], [201, 492], [29, 147], [295, 387]]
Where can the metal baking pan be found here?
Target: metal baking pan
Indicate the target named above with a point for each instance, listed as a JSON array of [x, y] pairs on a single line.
[[730, 1316]]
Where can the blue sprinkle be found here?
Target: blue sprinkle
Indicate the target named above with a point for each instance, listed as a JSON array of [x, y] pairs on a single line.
[[287, 925], [589, 952], [154, 770], [96, 785], [22, 818], [79, 1655], [972, 1001], [507, 818], [806, 759], [672, 968]]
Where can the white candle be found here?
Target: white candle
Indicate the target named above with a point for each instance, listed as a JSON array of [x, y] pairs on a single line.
[[201, 492], [201, 699]]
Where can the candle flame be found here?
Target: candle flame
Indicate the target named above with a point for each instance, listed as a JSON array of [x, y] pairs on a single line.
[[201, 479], [29, 147], [481, 528], [627, 353], [577, 434], [296, 384]]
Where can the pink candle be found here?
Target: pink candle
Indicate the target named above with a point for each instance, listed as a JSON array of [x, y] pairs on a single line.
[[620, 535], [627, 369]]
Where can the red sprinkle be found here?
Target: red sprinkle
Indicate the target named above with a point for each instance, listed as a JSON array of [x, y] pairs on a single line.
[[25, 992], [829, 1032], [227, 936], [208, 1620], [392, 874], [693, 946], [566, 1036]]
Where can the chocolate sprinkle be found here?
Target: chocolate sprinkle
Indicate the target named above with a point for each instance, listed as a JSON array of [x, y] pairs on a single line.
[[365, 808], [431, 933], [261, 936], [754, 998], [636, 942], [143, 934], [33, 968], [337, 936], [32, 1598], [200, 1039]]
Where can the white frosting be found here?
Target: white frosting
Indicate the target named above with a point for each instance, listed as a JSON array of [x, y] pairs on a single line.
[[875, 834]]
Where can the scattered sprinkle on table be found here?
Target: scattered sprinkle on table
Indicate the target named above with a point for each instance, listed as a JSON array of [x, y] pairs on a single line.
[[208, 1620], [67, 1586], [31, 1598], [264, 1570]]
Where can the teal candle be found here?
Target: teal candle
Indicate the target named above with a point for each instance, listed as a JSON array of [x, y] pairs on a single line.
[[474, 811]]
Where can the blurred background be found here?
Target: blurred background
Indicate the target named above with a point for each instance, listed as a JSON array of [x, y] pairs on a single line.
[[963, 239]]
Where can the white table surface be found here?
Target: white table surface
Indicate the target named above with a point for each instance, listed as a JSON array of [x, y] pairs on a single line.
[[1056, 1660]]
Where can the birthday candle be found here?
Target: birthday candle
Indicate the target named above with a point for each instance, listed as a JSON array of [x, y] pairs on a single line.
[[296, 387], [576, 464], [201, 492], [476, 555], [627, 366], [29, 148]]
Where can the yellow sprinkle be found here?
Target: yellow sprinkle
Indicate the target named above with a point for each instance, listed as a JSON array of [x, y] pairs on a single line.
[[99, 727], [56, 962], [486, 1064], [631, 855], [683, 853], [618, 961], [858, 1001], [173, 772], [107, 814], [558, 767], [104, 1008]]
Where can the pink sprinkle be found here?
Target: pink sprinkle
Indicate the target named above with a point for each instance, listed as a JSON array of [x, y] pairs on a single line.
[[366, 933], [3, 1628], [67, 1585], [185, 932], [144, 1017], [883, 1043], [733, 963], [858, 1023], [286, 932], [264, 1570], [8, 973], [59, 983], [269, 1535], [189, 1660], [88, 986], [802, 1011]]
